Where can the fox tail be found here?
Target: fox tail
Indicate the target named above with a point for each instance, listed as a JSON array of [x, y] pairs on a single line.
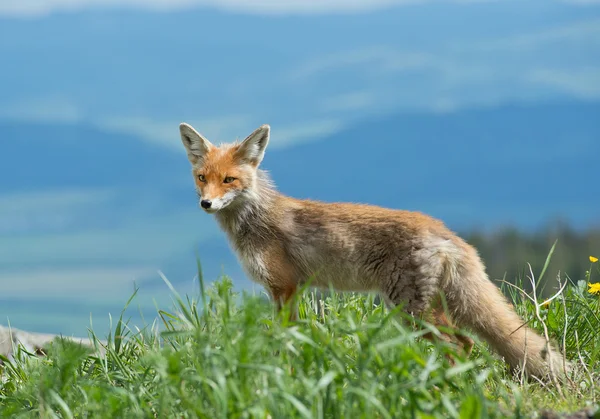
[[476, 303]]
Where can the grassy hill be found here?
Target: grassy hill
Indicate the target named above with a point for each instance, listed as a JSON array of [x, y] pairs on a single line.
[[218, 354]]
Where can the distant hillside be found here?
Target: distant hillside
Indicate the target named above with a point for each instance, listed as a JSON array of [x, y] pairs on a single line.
[[46, 156], [535, 156]]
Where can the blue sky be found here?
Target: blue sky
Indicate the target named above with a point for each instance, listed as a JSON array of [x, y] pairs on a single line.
[[133, 70], [250, 66]]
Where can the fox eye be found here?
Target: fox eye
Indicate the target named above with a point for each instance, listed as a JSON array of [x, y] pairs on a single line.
[[201, 178], [229, 179]]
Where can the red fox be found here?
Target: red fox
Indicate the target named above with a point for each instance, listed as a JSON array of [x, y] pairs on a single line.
[[409, 258]]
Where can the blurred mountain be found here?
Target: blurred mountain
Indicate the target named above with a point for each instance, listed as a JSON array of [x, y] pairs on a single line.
[[539, 156], [516, 163], [41, 156]]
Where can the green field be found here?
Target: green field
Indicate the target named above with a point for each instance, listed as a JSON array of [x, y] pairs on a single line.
[[218, 354]]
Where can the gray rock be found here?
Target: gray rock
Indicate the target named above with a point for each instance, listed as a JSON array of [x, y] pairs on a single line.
[[588, 413], [10, 338]]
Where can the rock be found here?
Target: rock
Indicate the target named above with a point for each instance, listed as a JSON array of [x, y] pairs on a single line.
[[10, 338], [589, 413]]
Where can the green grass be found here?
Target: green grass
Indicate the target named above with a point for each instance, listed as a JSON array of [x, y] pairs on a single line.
[[223, 355]]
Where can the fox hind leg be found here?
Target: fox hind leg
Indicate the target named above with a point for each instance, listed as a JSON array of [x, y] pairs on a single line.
[[419, 294], [448, 331]]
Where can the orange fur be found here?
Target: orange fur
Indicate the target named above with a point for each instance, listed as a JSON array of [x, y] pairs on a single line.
[[220, 163], [410, 258]]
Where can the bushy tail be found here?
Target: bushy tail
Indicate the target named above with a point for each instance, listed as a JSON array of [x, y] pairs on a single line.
[[476, 303]]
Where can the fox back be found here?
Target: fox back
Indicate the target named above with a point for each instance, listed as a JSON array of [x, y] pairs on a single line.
[[411, 259]]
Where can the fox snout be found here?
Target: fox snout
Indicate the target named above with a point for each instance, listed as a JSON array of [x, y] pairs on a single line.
[[209, 205], [213, 204]]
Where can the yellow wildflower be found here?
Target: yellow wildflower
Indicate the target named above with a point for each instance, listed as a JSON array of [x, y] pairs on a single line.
[[594, 288], [593, 259], [546, 304]]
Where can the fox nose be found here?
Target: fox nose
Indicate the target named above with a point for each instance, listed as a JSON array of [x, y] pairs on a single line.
[[205, 203]]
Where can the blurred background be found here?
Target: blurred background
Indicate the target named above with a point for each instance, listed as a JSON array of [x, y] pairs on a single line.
[[485, 114]]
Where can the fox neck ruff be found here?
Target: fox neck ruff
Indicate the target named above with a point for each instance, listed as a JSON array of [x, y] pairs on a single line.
[[250, 212]]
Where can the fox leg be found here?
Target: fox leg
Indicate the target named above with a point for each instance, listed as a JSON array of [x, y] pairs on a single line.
[[449, 332], [439, 318], [282, 295], [280, 279], [417, 289], [416, 296], [467, 343]]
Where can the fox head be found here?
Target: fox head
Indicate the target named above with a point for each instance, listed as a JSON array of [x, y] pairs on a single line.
[[224, 174]]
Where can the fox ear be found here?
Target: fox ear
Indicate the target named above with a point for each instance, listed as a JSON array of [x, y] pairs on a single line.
[[195, 144], [252, 149]]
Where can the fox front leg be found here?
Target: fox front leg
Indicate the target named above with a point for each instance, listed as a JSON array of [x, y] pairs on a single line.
[[283, 295], [278, 274]]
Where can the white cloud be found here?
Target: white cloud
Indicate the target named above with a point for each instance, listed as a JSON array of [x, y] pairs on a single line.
[[48, 210], [382, 78], [220, 129], [45, 253], [445, 105], [147, 238], [83, 226], [583, 83], [582, 31], [306, 131], [44, 108], [581, 2], [352, 101], [466, 73], [51, 200], [376, 59], [166, 131], [465, 60], [42, 7]]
